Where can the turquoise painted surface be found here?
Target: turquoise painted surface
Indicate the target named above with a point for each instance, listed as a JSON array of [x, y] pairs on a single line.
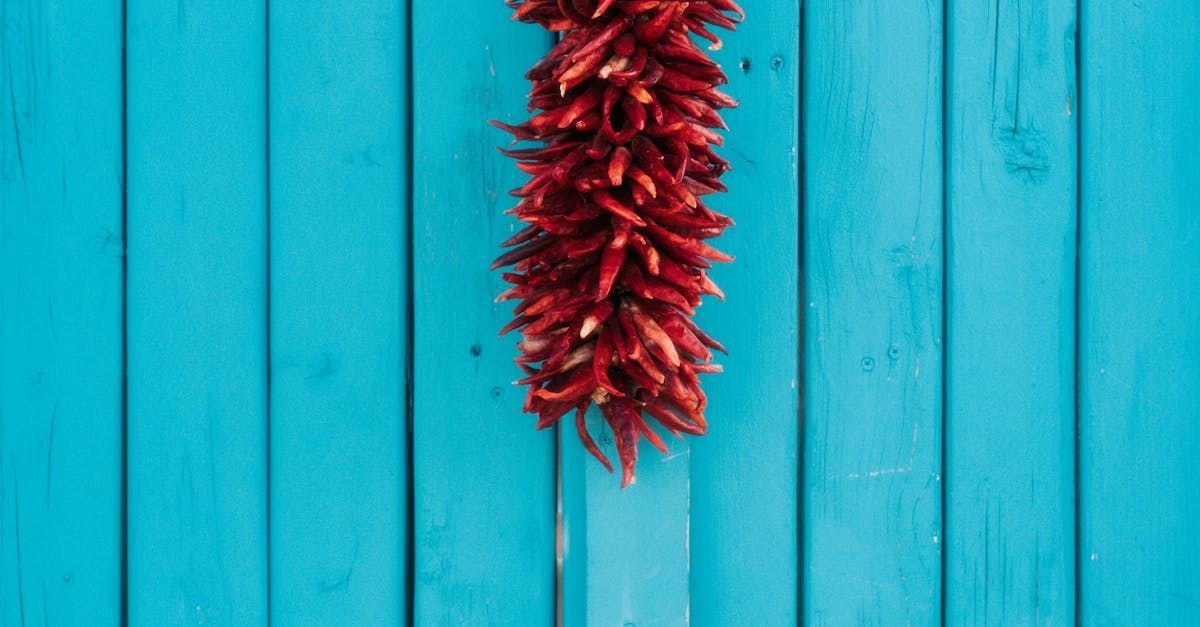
[[745, 472], [338, 255], [625, 553], [1011, 121], [196, 299], [310, 198], [716, 543], [483, 480], [1139, 319], [873, 312], [60, 313]]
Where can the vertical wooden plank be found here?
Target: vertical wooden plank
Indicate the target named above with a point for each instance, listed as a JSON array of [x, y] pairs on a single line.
[[625, 552], [60, 313], [1139, 509], [483, 479], [1010, 318], [873, 266], [339, 158], [745, 500], [197, 545]]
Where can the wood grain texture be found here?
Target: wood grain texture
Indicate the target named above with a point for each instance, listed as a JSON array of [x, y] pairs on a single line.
[[1010, 313], [60, 312], [625, 552], [1139, 509], [338, 242], [745, 500], [266, 325], [197, 312], [484, 479], [873, 274]]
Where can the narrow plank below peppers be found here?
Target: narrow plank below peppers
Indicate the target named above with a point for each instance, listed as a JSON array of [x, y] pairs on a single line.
[[613, 261]]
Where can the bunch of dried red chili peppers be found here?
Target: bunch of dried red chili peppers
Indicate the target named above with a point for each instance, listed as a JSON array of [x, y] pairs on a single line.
[[612, 262]]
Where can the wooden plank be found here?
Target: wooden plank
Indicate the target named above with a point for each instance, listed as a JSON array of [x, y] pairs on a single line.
[[745, 500], [873, 274], [484, 481], [339, 154], [625, 552], [197, 312], [1010, 318], [1139, 507], [60, 313]]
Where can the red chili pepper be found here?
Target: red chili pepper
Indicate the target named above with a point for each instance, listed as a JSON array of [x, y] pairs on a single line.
[[612, 261]]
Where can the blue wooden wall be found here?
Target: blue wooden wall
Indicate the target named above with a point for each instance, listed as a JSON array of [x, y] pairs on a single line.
[[249, 370]]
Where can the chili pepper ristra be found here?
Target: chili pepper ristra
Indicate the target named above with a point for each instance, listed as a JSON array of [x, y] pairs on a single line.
[[613, 262]]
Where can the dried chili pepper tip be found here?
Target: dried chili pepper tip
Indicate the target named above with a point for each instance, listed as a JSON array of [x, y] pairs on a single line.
[[612, 261]]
